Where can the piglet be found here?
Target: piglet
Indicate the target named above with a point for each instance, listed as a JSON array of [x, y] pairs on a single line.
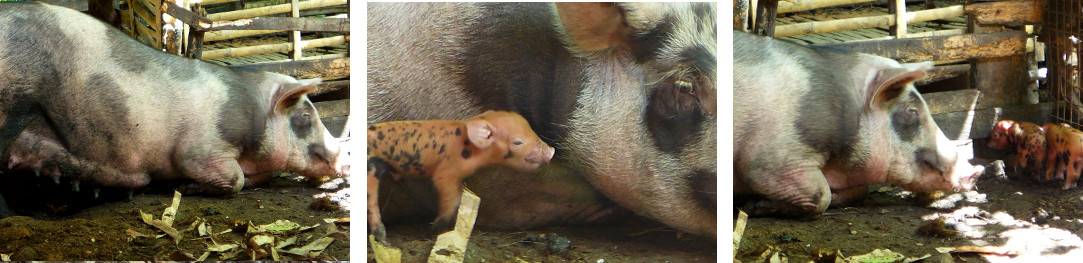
[[1027, 138], [1064, 153], [448, 151]]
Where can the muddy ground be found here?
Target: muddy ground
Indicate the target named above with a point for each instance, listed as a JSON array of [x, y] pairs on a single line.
[[635, 239], [58, 224], [1022, 219]]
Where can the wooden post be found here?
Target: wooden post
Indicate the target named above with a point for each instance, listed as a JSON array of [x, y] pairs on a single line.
[[766, 12], [295, 36], [898, 8], [1001, 80], [195, 40], [740, 15]]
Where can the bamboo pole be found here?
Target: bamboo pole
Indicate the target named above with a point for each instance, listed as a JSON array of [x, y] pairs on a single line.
[[898, 9], [865, 22], [231, 34], [270, 48], [805, 5], [211, 2], [270, 10], [295, 36]]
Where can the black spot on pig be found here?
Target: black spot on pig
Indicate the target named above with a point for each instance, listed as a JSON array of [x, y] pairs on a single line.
[[673, 117], [529, 77], [380, 166], [466, 154], [242, 119], [829, 114], [509, 155], [646, 46], [906, 117], [302, 118], [458, 131]]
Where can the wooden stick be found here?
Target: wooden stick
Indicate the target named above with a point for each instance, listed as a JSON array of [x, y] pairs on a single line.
[[941, 73], [270, 10], [270, 48], [805, 5], [766, 13], [295, 36], [739, 230], [865, 22], [211, 2], [898, 9], [451, 246], [231, 34]]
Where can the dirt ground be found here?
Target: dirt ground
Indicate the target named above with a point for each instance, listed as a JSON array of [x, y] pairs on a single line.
[[1016, 218], [57, 223], [634, 240]]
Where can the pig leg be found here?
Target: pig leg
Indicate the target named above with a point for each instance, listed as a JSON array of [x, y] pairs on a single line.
[[45, 155], [449, 188], [376, 227], [796, 190], [214, 172]]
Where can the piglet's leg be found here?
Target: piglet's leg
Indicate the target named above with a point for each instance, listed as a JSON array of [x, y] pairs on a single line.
[[47, 157], [450, 190], [376, 227]]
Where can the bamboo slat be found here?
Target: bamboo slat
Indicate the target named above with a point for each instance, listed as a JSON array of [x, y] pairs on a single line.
[[271, 48], [865, 22], [270, 10]]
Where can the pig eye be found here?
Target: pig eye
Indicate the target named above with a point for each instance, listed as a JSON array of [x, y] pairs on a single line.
[[684, 86], [517, 142]]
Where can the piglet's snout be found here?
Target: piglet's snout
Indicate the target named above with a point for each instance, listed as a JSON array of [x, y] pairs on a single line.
[[542, 154]]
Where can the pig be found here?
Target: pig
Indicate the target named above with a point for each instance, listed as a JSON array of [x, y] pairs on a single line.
[[1064, 153], [814, 127], [447, 151], [1027, 138], [625, 92], [80, 100]]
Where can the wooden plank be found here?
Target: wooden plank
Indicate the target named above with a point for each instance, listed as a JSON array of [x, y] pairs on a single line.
[[306, 69], [285, 23], [969, 46], [80, 5], [186, 16], [943, 72], [334, 108], [865, 22], [270, 10], [329, 86], [951, 101], [1007, 13], [980, 122], [740, 15]]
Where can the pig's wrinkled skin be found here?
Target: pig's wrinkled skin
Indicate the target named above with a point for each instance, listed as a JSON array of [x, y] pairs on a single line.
[[814, 128], [625, 92], [99, 107], [447, 151]]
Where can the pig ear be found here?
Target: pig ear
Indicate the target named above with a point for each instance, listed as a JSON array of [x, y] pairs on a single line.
[[1004, 124], [890, 83], [597, 26], [480, 133], [288, 94]]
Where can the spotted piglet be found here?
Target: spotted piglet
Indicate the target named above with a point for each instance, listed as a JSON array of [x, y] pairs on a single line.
[[1064, 153], [1028, 139], [447, 151]]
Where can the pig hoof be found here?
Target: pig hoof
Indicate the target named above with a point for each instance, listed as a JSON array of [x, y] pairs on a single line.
[[381, 234]]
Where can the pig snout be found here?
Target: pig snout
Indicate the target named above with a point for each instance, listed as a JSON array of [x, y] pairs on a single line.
[[946, 169]]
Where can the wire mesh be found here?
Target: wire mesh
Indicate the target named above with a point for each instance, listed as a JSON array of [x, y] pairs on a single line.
[[1062, 33]]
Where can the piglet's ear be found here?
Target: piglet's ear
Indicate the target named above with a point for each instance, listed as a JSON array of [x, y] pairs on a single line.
[[289, 94], [480, 133], [1004, 125]]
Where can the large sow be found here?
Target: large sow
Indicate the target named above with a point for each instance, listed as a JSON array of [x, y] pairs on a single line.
[[80, 100], [624, 92], [815, 127]]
